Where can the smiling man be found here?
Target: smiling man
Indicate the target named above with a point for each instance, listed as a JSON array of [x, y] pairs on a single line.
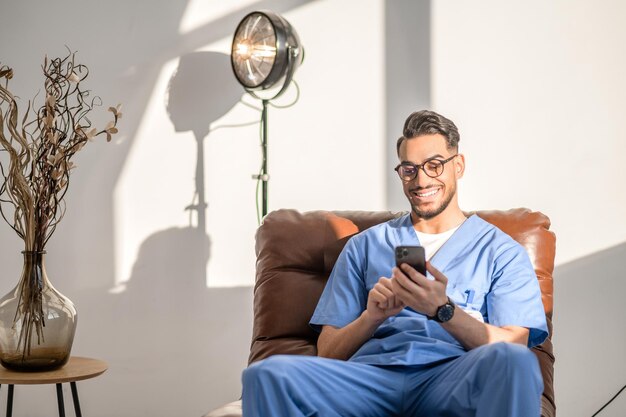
[[394, 342]]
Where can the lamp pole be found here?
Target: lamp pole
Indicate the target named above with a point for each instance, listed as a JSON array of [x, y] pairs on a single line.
[[264, 175]]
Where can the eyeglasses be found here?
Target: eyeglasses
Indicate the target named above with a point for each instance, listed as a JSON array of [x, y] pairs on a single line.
[[407, 171]]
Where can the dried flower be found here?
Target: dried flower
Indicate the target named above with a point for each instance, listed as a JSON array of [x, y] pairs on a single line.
[[36, 177], [73, 78]]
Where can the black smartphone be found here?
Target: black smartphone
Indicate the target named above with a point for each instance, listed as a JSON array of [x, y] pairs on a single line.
[[412, 255]]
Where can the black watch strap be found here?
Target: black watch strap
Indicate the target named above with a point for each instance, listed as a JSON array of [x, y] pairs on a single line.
[[444, 312]]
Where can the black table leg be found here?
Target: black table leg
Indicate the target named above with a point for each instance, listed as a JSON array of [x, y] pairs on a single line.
[[60, 400], [75, 398], [10, 401]]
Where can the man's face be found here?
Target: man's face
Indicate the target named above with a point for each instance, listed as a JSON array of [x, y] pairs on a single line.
[[428, 196]]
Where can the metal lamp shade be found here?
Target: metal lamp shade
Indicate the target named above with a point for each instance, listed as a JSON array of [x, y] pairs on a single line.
[[265, 50]]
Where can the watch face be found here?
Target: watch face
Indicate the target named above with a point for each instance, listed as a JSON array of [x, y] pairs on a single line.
[[445, 312]]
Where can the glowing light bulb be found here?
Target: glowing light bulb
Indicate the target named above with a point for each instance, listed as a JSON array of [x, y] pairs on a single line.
[[244, 50]]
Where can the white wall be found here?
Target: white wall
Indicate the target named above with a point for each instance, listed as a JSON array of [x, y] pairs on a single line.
[[536, 89]]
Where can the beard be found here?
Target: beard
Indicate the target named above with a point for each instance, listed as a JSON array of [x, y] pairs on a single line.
[[434, 212]]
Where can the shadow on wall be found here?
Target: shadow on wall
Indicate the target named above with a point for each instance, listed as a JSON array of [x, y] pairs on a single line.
[[125, 57], [173, 325], [166, 308], [169, 273], [174, 346], [589, 336], [407, 78], [202, 90]]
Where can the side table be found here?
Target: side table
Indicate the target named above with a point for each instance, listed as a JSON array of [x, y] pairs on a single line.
[[76, 369]]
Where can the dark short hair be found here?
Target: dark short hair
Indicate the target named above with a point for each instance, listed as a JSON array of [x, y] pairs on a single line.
[[426, 122]]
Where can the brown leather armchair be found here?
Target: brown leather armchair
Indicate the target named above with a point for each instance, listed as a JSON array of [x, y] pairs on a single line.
[[296, 253]]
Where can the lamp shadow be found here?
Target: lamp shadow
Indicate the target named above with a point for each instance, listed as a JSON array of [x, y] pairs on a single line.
[[170, 269], [169, 273], [173, 328], [201, 90]]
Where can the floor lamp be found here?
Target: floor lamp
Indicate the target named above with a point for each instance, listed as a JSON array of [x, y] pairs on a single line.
[[266, 52]]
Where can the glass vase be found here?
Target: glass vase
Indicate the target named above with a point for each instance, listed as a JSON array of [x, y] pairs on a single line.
[[37, 323]]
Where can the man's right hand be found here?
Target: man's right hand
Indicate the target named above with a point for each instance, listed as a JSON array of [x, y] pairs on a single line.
[[341, 343], [382, 302]]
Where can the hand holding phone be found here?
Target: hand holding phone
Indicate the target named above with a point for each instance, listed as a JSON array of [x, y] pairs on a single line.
[[412, 255]]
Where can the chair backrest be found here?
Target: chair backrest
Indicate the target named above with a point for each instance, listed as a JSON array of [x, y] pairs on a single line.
[[296, 253]]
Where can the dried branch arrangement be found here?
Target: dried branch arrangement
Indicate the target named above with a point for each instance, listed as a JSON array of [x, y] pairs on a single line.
[[36, 168], [41, 149]]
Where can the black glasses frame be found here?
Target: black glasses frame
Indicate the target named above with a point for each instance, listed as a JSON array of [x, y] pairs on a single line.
[[417, 167]]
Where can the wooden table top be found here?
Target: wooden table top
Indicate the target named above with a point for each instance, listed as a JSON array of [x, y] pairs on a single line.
[[76, 369]]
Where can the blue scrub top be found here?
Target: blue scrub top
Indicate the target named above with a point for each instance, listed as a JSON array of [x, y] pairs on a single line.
[[488, 272]]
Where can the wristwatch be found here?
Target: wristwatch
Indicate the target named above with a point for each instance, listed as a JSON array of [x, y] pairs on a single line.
[[444, 313]]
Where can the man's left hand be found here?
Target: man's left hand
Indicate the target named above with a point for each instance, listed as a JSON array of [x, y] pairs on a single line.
[[418, 292]]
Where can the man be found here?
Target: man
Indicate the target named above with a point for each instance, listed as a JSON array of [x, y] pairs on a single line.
[[394, 342]]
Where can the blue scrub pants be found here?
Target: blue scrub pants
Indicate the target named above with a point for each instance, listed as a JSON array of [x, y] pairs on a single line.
[[497, 380]]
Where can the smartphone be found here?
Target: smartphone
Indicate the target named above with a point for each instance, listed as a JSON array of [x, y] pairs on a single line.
[[412, 255]]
